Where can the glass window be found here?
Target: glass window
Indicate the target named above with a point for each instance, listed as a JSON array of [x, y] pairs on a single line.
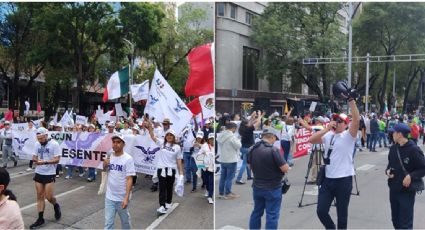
[[249, 73], [248, 18], [233, 11], [221, 9]]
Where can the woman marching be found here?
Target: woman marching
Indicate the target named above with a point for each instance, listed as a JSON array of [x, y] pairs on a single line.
[[10, 214], [208, 152], [168, 161], [193, 153]]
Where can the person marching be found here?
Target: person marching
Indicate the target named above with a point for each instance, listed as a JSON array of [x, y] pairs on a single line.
[[46, 157], [10, 214], [168, 162], [339, 171], [406, 162], [6, 135], [207, 150], [120, 168]]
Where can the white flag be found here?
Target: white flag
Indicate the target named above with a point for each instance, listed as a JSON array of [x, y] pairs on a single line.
[[119, 112], [81, 120], [163, 102], [208, 105], [67, 119], [55, 119], [140, 91]]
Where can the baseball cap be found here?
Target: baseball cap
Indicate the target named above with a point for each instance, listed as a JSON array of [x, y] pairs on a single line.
[[321, 119], [200, 134], [119, 136], [170, 131], [271, 131], [401, 128], [7, 122], [42, 131], [58, 125], [211, 135], [341, 116], [111, 124], [135, 127]]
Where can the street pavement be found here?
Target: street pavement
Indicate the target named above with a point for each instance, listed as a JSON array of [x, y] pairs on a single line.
[[369, 210], [82, 208]]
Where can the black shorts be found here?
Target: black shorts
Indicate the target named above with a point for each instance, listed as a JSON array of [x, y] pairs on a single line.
[[44, 179]]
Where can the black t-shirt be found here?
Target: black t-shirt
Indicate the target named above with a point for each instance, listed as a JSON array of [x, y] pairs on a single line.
[[247, 136], [265, 161]]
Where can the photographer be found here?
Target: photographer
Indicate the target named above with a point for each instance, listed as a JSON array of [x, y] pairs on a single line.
[[339, 145], [400, 177]]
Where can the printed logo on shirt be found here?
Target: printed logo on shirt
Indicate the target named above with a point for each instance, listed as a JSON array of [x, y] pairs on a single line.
[[406, 160], [169, 148], [116, 167], [42, 151]]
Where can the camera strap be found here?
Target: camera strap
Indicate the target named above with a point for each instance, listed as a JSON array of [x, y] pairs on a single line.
[[330, 148]]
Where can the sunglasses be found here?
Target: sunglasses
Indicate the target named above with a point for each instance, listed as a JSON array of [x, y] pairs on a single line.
[[339, 121]]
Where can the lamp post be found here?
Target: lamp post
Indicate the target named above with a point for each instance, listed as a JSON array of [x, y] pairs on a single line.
[[130, 82]]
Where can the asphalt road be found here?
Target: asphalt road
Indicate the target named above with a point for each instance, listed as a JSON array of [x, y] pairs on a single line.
[[369, 210], [82, 208]]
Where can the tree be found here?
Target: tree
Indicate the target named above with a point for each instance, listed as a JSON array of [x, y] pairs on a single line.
[[289, 32], [389, 29]]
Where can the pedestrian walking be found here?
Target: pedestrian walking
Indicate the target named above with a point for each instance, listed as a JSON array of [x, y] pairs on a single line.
[[120, 168], [406, 163], [6, 136], [168, 163], [268, 167], [339, 145], [10, 214], [207, 152], [228, 147], [46, 157]]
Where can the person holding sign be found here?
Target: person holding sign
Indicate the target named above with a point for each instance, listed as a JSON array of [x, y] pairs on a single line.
[[46, 157]]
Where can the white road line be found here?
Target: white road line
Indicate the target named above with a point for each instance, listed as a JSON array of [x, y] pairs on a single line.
[[230, 227], [161, 218], [20, 174], [57, 196], [365, 167], [313, 192]]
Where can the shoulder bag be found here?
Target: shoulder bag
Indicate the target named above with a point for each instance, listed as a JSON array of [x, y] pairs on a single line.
[[416, 185]]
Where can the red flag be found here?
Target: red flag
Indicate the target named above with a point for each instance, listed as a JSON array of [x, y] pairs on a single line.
[[201, 71], [38, 107], [8, 116], [105, 95], [195, 106]]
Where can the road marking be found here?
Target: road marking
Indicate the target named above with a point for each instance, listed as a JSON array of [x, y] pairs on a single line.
[[161, 218], [230, 227], [57, 196], [365, 167], [20, 174], [313, 192]]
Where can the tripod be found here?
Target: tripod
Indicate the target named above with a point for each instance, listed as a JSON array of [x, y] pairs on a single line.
[[315, 158]]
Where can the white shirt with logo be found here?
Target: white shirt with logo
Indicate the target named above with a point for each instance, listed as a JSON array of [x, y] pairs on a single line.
[[168, 155], [46, 153], [341, 164], [119, 169]]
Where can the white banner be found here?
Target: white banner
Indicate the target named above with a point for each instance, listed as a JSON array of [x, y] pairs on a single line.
[[140, 91], [19, 126], [23, 144], [82, 120]]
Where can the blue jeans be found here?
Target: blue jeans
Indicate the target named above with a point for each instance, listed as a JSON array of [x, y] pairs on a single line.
[[92, 173], [111, 208], [368, 140], [228, 171], [71, 169], [373, 140], [186, 159], [286, 146], [402, 207], [244, 152], [340, 189], [270, 200], [382, 136], [210, 183], [193, 170]]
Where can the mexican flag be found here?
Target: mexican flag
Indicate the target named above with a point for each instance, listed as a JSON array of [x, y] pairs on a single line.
[[117, 85]]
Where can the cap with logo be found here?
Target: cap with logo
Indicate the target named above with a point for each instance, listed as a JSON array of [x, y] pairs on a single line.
[[119, 136], [341, 116], [200, 134], [42, 131]]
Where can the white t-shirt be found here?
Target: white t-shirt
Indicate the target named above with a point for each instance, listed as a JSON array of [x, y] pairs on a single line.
[[208, 158], [119, 169], [341, 164], [126, 131], [168, 155], [45, 153], [287, 132]]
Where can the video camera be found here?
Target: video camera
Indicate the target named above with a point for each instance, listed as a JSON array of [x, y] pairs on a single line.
[[341, 91]]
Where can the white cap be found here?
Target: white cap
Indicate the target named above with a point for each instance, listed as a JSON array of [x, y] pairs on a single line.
[[111, 124], [7, 122], [211, 135], [91, 125], [118, 135], [135, 127], [200, 134], [42, 131], [170, 131], [58, 125], [208, 121]]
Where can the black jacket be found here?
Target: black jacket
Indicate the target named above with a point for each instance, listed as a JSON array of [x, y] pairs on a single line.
[[413, 161], [374, 126]]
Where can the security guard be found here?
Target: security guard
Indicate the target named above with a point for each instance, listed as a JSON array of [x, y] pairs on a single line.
[[402, 198], [339, 145]]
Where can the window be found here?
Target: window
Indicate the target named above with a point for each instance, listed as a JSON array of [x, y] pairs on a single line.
[[248, 18], [233, 11], [221, 9], [249, 72]]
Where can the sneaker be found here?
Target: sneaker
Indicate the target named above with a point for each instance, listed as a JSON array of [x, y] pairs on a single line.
[[68, 177], [240, 182], [193, 190], [57, 176], [210, 200], [233, 195], [82, 174], [161, 210], [249, 178], [90, 180], [168, 205], [39, 222], [58, 213], [206, 194], [28, 169], [154, 188], [222, 197]]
